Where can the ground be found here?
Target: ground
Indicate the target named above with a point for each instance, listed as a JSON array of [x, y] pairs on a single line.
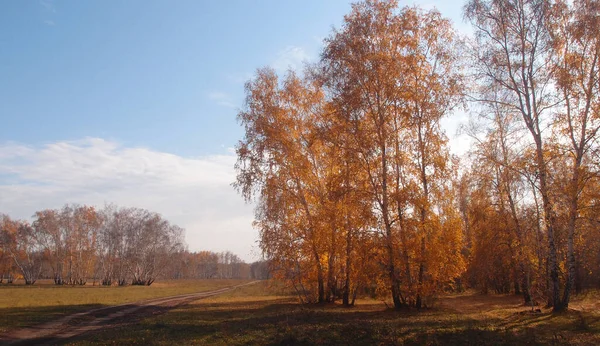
[[264, 314], [22, 305], [256, 315]]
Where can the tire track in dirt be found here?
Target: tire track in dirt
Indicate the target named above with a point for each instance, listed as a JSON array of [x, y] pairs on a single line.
[[65, 328]]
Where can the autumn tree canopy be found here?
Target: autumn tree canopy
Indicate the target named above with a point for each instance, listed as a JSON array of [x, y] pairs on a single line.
[[355, 188]]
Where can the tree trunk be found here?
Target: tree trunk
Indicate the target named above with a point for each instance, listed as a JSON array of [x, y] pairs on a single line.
[[573, 207], [331, 281], [346, 294], [425, 186], [321, 286], [419, 301], [394, 280], [320, 279], [554, 289]]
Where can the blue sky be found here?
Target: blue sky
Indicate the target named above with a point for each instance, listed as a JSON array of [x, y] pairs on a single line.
[[167, 75], [135, 102]]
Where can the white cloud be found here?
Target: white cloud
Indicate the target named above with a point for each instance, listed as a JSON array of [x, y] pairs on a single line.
[[222, 99], [49, 10], [194, 193], [319, 40], [291, 57], [459, 142], [239, 78], [48, 5]]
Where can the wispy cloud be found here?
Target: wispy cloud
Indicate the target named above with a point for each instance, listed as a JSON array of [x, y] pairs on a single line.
[[194, 193], [291, 57], [319, 40], [48, 5], [222, 99], [49, 10], [459, 142], [240, 78]]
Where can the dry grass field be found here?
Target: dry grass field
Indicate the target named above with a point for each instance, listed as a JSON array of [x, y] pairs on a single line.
[[22, 305], [261, 315]]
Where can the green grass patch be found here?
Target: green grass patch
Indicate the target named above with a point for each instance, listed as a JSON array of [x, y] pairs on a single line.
[[28, 305], [259, 314]]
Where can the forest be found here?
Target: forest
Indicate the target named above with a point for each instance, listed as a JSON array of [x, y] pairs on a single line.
[[79, 245], [355, 188]]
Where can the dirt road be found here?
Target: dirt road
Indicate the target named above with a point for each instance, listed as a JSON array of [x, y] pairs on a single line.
[[71, 326]]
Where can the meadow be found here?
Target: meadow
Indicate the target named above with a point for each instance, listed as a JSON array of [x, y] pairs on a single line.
[[261, 314], [22, 305]]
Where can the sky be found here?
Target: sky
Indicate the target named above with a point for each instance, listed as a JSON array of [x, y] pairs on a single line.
[[135, 102]]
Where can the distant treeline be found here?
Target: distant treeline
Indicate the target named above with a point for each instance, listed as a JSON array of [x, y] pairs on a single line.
[[112, 246], [213, 265]]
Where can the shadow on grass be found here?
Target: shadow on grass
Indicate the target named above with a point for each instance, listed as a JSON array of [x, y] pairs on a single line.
[[13, 318], [285, 323], [281, 321]]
